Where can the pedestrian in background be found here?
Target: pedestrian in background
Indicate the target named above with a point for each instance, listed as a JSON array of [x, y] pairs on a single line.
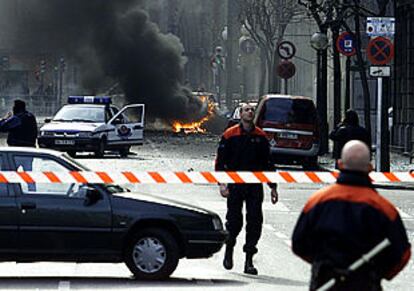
[[343, 221], [22, 132], [244, 147], [348, 129], [21, 126]]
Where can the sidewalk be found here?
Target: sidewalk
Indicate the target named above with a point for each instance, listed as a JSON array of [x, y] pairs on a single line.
[[399, 163]]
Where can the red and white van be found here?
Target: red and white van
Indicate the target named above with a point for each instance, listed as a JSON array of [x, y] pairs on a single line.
[[292, 127]]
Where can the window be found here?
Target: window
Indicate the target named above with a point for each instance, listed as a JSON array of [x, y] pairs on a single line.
[[41, 164], [108, 114], [81, 114], [283, 110], [133, 115], [3, 187]]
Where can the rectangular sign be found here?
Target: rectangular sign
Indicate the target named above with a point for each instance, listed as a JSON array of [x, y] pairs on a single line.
[[377, 72], [380, 26]]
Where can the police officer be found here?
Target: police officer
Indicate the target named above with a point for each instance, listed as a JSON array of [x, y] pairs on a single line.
[[345, 220], [21, 126], [244, 147]]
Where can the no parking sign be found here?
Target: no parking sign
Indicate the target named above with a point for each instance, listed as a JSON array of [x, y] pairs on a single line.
[[345, 44], [380, 51]]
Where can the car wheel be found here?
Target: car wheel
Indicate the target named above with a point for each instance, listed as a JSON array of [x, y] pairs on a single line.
[[152, 254], [99, 153], [124, 152], [311, 163]]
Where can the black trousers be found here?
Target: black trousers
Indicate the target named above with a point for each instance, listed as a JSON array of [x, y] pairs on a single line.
[[363, 279], [252, 194]]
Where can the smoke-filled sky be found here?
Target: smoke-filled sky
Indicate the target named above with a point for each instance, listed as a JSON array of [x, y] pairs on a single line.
[[113, 41]]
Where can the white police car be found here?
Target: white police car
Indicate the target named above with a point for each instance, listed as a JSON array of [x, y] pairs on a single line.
[[93, 124]]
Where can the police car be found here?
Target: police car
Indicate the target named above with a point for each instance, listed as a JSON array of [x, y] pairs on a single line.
[[93, 124]]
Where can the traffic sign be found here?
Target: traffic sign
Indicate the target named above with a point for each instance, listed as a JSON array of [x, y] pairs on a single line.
[[380, 51], [379, 72], [380, 26], [286, 50], [286, 69], [345, 44]]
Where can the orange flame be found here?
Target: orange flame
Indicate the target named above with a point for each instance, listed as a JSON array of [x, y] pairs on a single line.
[[197, 126]]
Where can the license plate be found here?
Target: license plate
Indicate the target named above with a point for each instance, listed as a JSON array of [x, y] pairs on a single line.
[[64, 142], [287, 135]]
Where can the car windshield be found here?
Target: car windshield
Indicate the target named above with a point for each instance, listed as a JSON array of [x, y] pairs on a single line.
[[112, 188], [74, 163], [80, 114], [284, 110]]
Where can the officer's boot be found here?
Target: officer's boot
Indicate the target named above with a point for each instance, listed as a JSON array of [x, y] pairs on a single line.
[[248, 266], [228, 257]]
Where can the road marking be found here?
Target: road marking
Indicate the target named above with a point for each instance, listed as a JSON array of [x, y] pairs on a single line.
[[403, 214], [64, 285], [286, 240], [280, 206]]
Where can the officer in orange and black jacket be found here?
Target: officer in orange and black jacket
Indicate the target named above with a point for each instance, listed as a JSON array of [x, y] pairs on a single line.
[[244, 147], [342, 222]]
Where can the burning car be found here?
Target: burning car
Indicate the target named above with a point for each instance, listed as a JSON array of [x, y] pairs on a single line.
[[207, 110]]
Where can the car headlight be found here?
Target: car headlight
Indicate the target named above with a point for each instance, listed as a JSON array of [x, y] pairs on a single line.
[[85, 134], [46, 133], [217, 224]]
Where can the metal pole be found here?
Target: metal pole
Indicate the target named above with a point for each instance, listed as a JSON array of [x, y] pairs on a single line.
[[286, 86], [219, 86], [60, 87], [348, 84], [321, 98], [378, 157]]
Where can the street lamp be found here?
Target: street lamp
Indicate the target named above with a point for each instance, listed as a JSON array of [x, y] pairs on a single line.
[[320, 43]]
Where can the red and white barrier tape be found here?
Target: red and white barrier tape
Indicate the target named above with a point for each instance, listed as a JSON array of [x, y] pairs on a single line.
[[189, 177]]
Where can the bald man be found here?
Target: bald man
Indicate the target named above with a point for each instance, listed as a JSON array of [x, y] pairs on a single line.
[[345, 220]]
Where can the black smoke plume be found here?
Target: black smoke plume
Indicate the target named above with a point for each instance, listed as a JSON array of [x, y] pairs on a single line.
[[112, 41]]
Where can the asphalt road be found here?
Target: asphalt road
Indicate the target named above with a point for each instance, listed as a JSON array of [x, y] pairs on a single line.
[[278, 268]]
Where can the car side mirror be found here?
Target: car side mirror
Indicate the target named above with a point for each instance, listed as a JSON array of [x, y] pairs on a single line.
[[48, 120], [92, 196]]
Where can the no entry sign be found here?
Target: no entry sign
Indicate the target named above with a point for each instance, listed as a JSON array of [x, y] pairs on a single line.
[[345, 44], [380, 51], [286, 69]]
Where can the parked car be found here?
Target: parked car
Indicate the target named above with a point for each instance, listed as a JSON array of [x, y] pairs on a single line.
[[93, 124], [292, 127], [97, 223]]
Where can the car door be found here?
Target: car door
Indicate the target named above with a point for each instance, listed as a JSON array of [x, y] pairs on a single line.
[[8, 216], [54, 218], [128, 125]]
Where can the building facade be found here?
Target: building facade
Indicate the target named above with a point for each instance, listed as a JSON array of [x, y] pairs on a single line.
[[403, 103]]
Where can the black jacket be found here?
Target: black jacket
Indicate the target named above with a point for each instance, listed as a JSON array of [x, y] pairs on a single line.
[[22, 129], [344, 133], [346, 220], [240, 150]]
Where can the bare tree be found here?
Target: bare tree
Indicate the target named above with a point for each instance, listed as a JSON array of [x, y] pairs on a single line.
[[336, 15], [266, 21]]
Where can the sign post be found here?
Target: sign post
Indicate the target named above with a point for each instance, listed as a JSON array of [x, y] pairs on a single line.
[[378, 151], [380, 52], [345, 44], [286, 69]]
